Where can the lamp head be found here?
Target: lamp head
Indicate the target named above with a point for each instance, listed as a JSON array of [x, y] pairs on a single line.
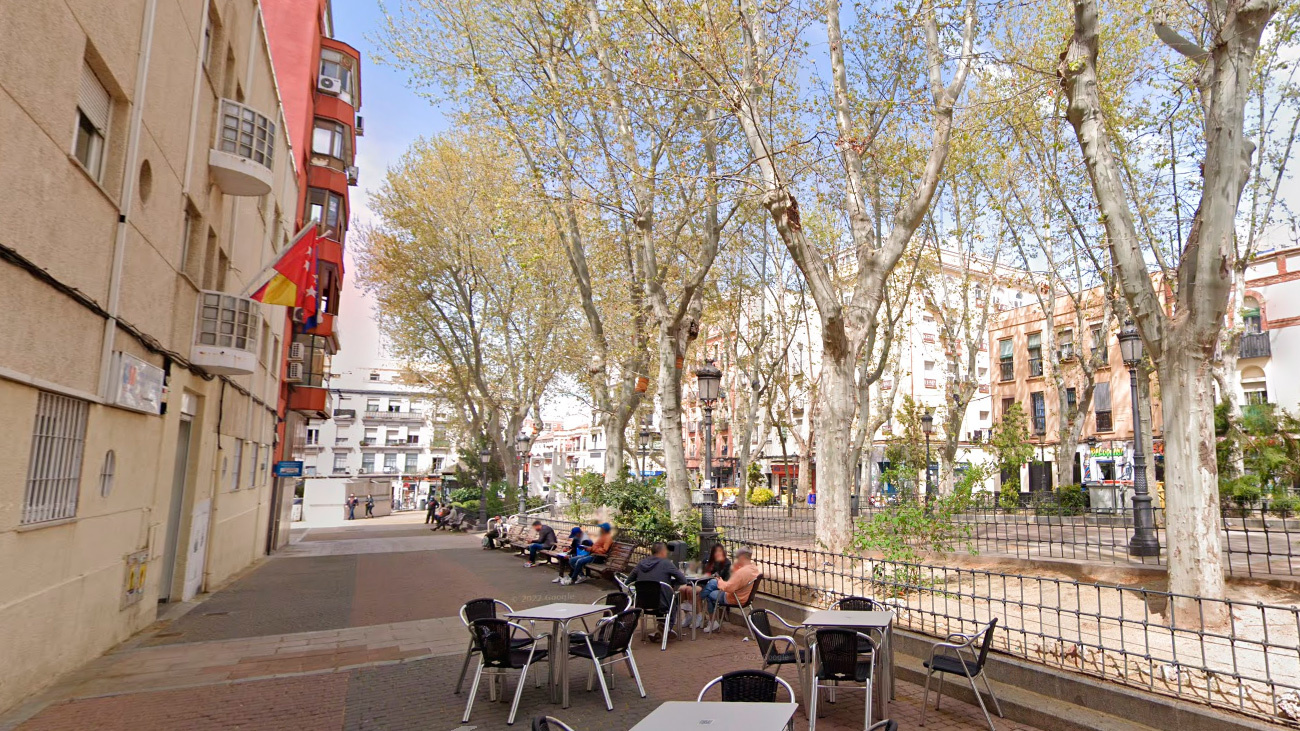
[[708, 378], [927, 423], [485, 455], [1130, 344]]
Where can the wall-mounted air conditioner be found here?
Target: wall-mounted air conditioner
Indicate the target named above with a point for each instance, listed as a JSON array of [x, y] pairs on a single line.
[[328, 85], [295, 351], [293, 373]]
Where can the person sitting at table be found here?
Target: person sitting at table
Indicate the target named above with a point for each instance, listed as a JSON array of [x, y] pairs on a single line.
[[657, 567], [732, 591], [576, 541], [596, 553], [719, 567], [545, 541]]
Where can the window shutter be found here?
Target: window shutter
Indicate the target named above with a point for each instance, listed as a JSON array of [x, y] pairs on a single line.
[[1101, 398], [1035, 340], [93, 99], [1004, 348]]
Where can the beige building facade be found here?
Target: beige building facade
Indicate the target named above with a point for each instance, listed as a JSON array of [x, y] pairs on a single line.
[[148, 184]]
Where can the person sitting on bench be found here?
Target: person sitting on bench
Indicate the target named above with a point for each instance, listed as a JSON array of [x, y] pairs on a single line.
[[545, 542], [595, 554]]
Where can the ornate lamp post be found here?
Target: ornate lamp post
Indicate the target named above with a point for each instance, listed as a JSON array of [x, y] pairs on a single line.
[[523, 445], [647, 437], [484, 457], [927, 426], [707, 380], [1144, 541]]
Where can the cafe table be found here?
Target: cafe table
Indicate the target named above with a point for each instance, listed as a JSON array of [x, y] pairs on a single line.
[[559, 615], [697, 581], [714, 716], [881, 623]]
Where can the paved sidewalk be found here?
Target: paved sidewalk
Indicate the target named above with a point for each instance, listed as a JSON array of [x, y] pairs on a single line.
[[323, 638]]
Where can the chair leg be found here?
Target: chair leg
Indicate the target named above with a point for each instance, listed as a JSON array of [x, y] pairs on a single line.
[[984, 708], [812, 708], [519, 692], [939, 698], [600, 675], [473, 691], [635, 673], [925, 699], [464, 667], [591, 675], [996, 705], [868, 703]]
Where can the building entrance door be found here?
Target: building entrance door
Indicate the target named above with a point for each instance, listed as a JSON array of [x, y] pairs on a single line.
[[180, 477]]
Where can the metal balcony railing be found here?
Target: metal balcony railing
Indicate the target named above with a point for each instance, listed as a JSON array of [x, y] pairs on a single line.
[[1255, 345], [1008, 370]]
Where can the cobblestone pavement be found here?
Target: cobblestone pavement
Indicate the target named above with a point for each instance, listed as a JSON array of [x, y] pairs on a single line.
[[370, 640]]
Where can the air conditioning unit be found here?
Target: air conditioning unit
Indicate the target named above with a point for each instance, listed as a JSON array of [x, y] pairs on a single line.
[[328, 85], [361, 126], [293, 373], [299, 315], [295, 351], [351, 171]]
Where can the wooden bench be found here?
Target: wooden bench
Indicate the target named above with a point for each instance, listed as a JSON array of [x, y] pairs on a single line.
[[617, 561], [518, 537]]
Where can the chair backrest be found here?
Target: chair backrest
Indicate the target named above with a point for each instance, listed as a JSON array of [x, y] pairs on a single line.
[[650, 596], [492, 640], [748, 686], [857, 604], [987, 643], [548, 723], [753, 590], [762, 626], [616, 599], [622, 630], [837, 654], [475, 609], [885, 725]]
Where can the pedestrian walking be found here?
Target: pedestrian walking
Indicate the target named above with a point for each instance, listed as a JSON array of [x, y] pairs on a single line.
[[433, 509], [370, 506], [352, 507]]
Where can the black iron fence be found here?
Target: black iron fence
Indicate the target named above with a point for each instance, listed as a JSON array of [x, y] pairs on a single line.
[[1257, 541], [1233, 655]]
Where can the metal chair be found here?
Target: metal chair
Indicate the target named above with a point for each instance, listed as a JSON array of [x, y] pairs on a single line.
[[955, 663], [748, 686], [498, 656], [617, 601], [859, 604], [779, 649], [621, 581], [837, 657], [727, 604], [485, 608], [649, 597], [885, 725], [617, 647], [550, 723]]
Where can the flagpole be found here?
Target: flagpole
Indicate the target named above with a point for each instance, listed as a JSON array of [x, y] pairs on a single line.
[[260, 279]]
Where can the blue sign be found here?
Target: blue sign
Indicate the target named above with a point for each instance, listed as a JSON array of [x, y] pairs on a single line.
[[288, 468]]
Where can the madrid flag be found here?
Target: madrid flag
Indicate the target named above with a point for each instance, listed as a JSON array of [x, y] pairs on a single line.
[[293, 283]]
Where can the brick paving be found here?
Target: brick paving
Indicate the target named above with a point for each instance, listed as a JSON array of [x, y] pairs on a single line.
[[371, 641]]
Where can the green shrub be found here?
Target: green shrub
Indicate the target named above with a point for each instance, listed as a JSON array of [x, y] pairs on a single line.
[[761, 496], [1009, 496], [1066, 500], [461, 494], [1284, 505], [1246, 491]]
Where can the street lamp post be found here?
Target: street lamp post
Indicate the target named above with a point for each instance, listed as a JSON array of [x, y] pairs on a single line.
[[646, 436], [707, 379], [927, 426], [484, 457], [1144, 541], [522, 446]]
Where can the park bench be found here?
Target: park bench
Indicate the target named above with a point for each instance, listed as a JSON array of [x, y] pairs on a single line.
[[617, 561], [516, 537]]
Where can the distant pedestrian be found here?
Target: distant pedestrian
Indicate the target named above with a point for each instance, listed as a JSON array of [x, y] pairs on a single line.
[[352, 507], [433, 509], [370, 506]]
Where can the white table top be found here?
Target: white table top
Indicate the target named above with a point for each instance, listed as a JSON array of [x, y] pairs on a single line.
[[714, 716], [854, 620], [558, 612]]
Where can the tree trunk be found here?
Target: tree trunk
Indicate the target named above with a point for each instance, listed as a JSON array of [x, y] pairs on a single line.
[[670, 425], [1194, 526], [836, 409]]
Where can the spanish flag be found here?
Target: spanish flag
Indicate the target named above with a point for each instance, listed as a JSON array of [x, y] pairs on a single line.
[[293, 283]]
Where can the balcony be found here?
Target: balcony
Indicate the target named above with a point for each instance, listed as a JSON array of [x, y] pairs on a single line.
[[345, 414], [394, 416], [243, 155], [311, 401], [1008, 370], [1035, 367], [314, 448], [1255, 345], [225, 340]]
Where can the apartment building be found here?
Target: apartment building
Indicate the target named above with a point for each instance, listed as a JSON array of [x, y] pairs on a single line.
[[320, 81], [386, 438], [1270, 345], [150, 183], [1023, 369]]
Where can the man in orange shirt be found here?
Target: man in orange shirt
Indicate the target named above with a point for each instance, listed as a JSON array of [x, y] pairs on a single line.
[[734, 590], [596, 554]]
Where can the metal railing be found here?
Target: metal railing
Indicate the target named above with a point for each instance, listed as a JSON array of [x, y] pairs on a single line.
[[1255, 345]]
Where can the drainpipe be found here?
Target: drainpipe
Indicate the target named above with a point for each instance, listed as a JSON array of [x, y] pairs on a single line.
[[126, 197]]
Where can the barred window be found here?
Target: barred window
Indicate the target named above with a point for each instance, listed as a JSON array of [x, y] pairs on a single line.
[[228, 321], [247, 133], [54, 469]]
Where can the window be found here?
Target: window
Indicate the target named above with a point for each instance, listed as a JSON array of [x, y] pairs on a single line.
[[1039, 406], [206, 50], [372, 404], [54, 467], [927, 337], [237, 462], [327, 209], [1251, 317], [247, 133], [984, 414], [927, 317], [374, 376], [372, 435], [1007, 403], [340, 441], [1256, 398], [1071, 402], [266, 464], [931, 383], [191, 243], [393, 437], [1007, 358], [94, 106], [337, 66], [390, 462], [982, 371], [313, 437], [1100, 348], [1035, 355], [229, 322], [340, 463], [254, 453], [412, 464], [309, 470], [412, 438], [330, 138], [1254, 385], [368, 462], [275, 355], [929, 365], [1065, 344], [1101, 405], [394, 407]]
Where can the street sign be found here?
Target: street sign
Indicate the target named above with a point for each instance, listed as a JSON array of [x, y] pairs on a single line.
[[288, 468]]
